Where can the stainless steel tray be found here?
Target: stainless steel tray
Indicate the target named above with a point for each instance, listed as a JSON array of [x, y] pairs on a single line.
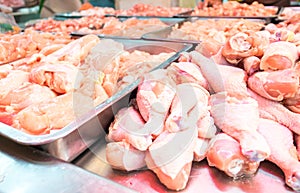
[[26, 170], [167, 20], [163, 34], [203, 178], [68, 142], [268, 18]]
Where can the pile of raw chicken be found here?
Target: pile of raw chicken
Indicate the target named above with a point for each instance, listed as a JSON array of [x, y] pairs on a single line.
[[234, 104], [111, 26], [217, 30], [141, 9], [234, 9], [50, 86]]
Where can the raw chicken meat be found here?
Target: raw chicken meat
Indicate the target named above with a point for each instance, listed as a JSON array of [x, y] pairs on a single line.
[[128, 126], [244, 44], [224, 153], [209, 70], [293, 103], [137, 63], [275, 85], [154, 97], [277, 112], [10, 81], [187, 109], [103, 53], [61, 77], [218, 29], [251, 64], [81, 47], [59, 70], [4, 70], [136, 28], [170, 157], [191, 110], [222, 78], [297, 143], [91, 85], [283, 150], [220, 59], [231, 103], [186, 72], [5, 116], [279, 55], [209, 47], [144, 9], [206, 127], [51, 48], [233, 8], [22, 45], [96, 11], [67, 26], [239, 119], [53, 114], [103, 57], [121, 155], [200, 150], [27, 94]]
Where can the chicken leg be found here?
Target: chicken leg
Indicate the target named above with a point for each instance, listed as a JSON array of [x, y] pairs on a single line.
[[283, 151]]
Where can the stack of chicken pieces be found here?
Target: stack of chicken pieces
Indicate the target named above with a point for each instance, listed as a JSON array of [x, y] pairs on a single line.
[[53, 87], [236, 106]]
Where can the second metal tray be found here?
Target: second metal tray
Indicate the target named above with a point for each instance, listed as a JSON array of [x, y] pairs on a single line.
[[163, 34], [167, 20]]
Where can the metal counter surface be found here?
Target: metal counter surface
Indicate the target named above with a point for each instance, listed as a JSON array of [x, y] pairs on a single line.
[[25, 169], [203, 178]]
